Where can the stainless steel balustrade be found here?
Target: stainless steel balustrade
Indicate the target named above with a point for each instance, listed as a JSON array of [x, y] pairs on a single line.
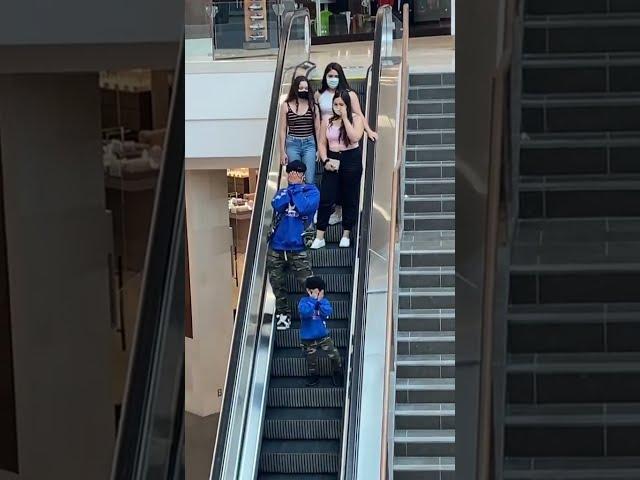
[[374, 418], [292, 59]]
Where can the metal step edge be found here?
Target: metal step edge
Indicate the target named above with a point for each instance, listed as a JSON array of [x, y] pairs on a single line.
[[563, 60], [435, 313], [422, 464], [428, 271], [431, 131], [573, 420], [411, 361], [438, 146], [589, 183], [580, 100], [424, 436], [425, 409], [428, 216], [444, 336], [429, 116], [613, 267], [568, 140], [582, 20], [431, 87], [433, 197], [426, 384]]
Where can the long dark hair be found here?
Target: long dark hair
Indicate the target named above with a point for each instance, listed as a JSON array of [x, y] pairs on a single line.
[[342, 79], [346, 98], [293, 93]]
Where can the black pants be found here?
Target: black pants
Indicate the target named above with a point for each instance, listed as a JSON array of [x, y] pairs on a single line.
[[344, 183]]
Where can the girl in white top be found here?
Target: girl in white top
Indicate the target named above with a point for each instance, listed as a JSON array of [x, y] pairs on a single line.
[[334, 80]]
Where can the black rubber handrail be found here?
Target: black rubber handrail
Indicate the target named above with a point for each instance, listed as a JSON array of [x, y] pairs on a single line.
[[252, 244], [363, 254], [151, 425]]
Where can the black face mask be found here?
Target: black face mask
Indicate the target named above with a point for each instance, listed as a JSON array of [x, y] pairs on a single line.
[[303, 95]]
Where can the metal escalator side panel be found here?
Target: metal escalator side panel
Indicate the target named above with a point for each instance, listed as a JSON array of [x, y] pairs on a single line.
[[367, 449], [293, 57], [259, 390], [355, 387]]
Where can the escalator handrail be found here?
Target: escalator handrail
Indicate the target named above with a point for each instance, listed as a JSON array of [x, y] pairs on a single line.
[[395, 236], [353, 414], [252, 244], [157, 359]]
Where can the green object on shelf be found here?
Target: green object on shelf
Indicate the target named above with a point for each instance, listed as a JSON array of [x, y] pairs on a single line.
[[324, 22]]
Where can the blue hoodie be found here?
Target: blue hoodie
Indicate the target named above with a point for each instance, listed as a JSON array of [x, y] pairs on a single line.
[[313, 318], [297, 204]]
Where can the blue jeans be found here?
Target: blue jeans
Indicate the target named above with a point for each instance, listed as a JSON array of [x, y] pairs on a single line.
[[303, 149]]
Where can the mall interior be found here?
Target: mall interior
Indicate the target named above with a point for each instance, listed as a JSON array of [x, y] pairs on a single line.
[[400, 59]]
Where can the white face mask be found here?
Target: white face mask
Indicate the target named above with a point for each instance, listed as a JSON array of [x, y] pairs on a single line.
[[333, 82]]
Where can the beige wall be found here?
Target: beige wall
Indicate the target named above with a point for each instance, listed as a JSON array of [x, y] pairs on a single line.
[[209, 238], [56, 229]]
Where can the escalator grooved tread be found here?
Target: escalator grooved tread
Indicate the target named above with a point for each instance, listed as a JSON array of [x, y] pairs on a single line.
[[303, 425], [291, 338], [295, 365]]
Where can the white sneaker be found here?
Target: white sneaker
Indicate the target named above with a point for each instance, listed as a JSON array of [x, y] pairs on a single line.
[[317, 243], [284, 322], [336, 217], [345, 242]]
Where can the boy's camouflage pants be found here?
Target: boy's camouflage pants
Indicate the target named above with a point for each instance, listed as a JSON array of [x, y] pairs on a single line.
[[277, 264], [311, 351]]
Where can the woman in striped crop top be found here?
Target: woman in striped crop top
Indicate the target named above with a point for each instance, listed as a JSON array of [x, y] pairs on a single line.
[[299, 124]]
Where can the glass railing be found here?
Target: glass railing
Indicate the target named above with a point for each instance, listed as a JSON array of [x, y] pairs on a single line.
[[234, 29], [431, 10], [253, 312]]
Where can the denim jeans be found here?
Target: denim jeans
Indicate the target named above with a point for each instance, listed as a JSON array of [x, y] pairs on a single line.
[[303, 149]]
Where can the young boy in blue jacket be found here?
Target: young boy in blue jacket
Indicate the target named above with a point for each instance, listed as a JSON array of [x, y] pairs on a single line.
[[314, 334], [294, 209]]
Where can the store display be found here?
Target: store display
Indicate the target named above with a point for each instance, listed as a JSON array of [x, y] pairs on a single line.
[[255, 28], [121, 158]]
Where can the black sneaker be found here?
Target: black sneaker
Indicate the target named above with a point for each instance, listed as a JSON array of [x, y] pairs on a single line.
[[337, 378], [313, 381]]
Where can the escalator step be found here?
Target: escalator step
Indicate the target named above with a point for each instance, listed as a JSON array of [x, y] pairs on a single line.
[[303, 423], [291, 362], [299, 456], [291, 392], [332, 323], [291, 338], [336, 282], [341, 305], [333, 233], [278, 476], [332, 256]]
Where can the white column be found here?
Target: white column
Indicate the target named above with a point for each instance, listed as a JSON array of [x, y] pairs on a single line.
[[453, 17], [58, 279], [209, 238]]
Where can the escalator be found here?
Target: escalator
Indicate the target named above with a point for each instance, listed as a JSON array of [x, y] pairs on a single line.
[[273, 426], [303, 425]]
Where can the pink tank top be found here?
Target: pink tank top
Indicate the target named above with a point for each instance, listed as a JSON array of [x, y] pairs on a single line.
[[335, 143]]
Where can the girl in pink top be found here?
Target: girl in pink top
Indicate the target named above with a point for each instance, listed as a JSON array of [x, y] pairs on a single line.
[[340, 153]]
